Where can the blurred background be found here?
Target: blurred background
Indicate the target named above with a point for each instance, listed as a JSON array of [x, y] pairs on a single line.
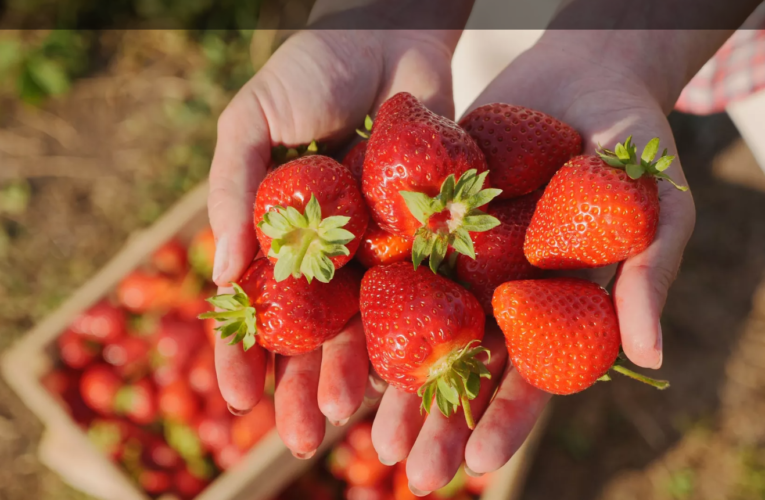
[[101, 131]]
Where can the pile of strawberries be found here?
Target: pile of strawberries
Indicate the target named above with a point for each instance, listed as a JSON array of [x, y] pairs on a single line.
[[491, 204], [137, 372]]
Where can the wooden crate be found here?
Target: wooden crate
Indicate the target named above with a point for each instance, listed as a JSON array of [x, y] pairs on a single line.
[[66, 449]]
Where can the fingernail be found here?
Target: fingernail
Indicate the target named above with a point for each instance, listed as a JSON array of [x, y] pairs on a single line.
[[339, 423], [659, 346], [221, 258], [471, 473], [304, 456], [371, 402], [416, 492], [377, 383], [237, 413], [386, 462]]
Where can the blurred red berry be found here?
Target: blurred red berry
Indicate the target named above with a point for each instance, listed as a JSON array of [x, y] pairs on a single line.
[[170, 258], [247, 430], [178, 402], [99, 386], [102, 323]]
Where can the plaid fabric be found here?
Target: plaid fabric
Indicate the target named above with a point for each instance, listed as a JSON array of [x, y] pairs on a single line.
[[736, 71]]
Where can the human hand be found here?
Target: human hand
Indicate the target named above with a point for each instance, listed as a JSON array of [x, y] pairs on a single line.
[[605, 100], [318, 86]]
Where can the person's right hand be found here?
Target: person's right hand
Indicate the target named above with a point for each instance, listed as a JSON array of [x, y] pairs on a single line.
[[317, 86]]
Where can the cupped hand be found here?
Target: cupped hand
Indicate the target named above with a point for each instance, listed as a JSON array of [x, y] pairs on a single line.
[[318, 85], [605, 102]]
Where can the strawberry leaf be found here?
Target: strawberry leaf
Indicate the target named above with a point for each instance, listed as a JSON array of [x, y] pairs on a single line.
[[438, 252], [444, 405], [462, 243], [634, 171], [479, 223], [664, 163], [650, 150], [473, 385], [427, 396], [419, 204]]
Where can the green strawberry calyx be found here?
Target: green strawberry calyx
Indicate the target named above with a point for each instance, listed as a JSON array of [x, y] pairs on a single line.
[[282, 154], [455, 381], [303, 243], [367, 128], [236, 317], [448, 218], [619, 367], [625, 157]]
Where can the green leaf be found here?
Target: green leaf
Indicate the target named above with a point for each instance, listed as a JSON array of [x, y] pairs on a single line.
[[421, 247], [312, 148], [427, 396], [368, 123], [296, 219], [634, 171], [337, 236], [248, 341], [664, 163], [622, 153], [479, 223], [444, 405], [312, 212], [662, 175], [447, 190], [473, 385], [484, 197], [650, 150], [419, 204], [614, 162], [463, 243], [49, 75], [284, 265], [334, 222], [438, 252], [10, 54], [448, 391]]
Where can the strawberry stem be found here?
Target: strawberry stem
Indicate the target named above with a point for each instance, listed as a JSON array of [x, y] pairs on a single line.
[[467, 411], [659, 384]]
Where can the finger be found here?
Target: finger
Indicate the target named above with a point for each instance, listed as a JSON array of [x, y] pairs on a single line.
[[344, 370], [506, 423], [440, 448], [239, 165], [643, 281], [298, 419], [396, 425], [376, 387], [241, 375]]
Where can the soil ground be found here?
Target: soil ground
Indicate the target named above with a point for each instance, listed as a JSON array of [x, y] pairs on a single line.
[[83, 171]]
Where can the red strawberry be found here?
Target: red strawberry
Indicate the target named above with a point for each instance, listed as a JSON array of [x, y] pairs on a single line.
[[214, 432], [175, 343], [215, 405], [380, 247], [65, 385], [562, 334], [141, 292], [310, 217], [187, 484], [291, 317], [202, 378], [422, 330], [177, 402], [76, 351], [523, 147], [201, 253], [109, 436], [248, 430], [171, 258], [359, 438], [228, 456], [499, 251], [101, 323], [598, 211], [129, 355], [138, 402], [99, 386], [412, 160], [155, 482], [157, 453], [354, 160]]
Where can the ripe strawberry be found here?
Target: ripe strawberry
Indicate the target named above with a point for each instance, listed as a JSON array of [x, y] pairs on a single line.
[[228, 456], [214, 432], [422, 330], [64, 384], [155, 482], [562, 334], [137, 401], [101, 323], [291, 317], [170, 258], [412, 160], [175, 343], [310, 217], [109, 436], [99, 386], [177, 402], [129, 355], [201, 253], [141, 292], [381, 247], [359, 438], [187, 484], [354, 160], [215, 405], [76, 351], [155, 452], [523, 147], [499, 251], [248, 430], [598, 211], [202, 378]]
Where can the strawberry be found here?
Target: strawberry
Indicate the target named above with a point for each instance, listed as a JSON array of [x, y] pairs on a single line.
[[354, 160], [129, 355], [310, 217], [171, 258], [76, 351], [499, 251], [142, 292], [201, 252], [215, 405], [228, 456], [175, 343], [64, 384], [598, 210], [422, 330], [214, 432], [202, 378], [177, 402], [99, 386], [138, 402], [101, 323], [423, 179], [292, 317], [562, 334], [381, 247], [155, 452], [248, 430], [155, 482], [523, 147], [187, 484], [109, 436]]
